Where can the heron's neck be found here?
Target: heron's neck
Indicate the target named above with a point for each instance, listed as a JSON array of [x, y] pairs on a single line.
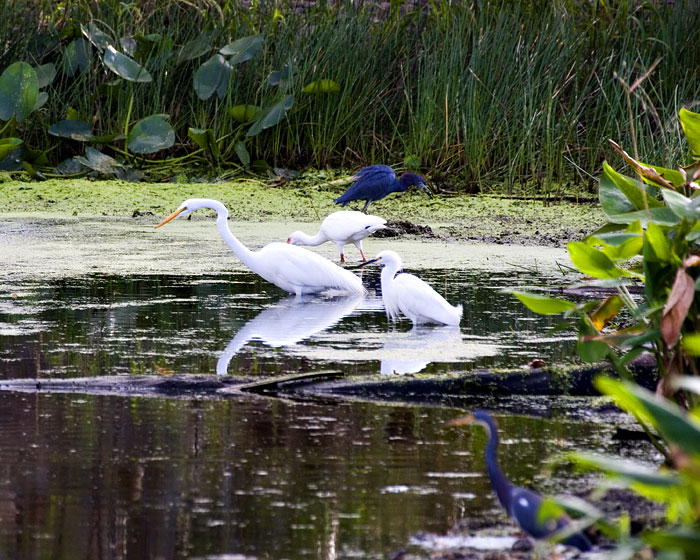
[[498, 480], [399, 186], [246, 256], [314, 240]]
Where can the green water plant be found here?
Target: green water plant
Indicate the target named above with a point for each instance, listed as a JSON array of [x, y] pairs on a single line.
[[650, 240]]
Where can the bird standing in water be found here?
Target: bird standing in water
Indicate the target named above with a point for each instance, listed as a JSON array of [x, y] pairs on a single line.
[[408, 294], [341, 228], [521, 504], [291, 268], [376, 181]]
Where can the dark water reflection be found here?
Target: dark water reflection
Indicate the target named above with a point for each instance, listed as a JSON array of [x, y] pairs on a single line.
[[112, 325], [94, 477]]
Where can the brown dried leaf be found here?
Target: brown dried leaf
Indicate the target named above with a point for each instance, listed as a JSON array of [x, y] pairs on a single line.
[[676, 308], [644, 170]]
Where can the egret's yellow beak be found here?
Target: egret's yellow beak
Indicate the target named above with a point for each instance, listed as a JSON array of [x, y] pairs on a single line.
[[171, 217], [462, 421]]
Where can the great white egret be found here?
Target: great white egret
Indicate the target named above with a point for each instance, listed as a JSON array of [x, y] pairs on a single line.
[[294, 269], [521, 504], [341, 228], [408, 294], [374, 182]]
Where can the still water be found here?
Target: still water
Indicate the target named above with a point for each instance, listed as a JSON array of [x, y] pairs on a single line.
[[113, 477]]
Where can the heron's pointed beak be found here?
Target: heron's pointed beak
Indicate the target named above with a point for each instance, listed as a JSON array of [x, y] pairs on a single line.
[[171, 217], [425, 188], [461, 421], [371, 261]]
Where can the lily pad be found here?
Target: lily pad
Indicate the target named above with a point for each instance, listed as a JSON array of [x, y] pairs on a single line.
[[271, 116], [210, 76], [74, 129], [322, 86], [150, 135], [125, 67], [19, 91], [243, 49], [76, 57]]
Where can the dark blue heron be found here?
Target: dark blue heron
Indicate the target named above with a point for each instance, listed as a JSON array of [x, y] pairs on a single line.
[[376, 181], [521, 504]]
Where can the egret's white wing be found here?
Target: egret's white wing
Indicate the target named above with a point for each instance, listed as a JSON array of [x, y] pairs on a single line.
[[346, 225], [419, 301]]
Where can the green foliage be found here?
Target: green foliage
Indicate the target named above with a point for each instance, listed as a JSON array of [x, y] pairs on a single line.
[[19, 91], [369, 84], [677, 488], [654, 220]]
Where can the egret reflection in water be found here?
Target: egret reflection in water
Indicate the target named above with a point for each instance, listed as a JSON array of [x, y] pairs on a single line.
[[289, 321], [412, 351]]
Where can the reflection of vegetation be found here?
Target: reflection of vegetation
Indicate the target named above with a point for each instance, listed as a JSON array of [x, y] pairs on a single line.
[[223, 83], [654, 221]]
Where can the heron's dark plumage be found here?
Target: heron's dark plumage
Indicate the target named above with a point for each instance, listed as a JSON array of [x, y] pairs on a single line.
[[375, 182]]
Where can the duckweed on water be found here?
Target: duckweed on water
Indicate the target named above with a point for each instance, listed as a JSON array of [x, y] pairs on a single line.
[[474, 218]]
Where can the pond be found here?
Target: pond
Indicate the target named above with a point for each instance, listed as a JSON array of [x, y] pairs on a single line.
[[105, 476]]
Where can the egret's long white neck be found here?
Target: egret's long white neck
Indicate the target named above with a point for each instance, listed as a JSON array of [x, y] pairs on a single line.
[[312, 240], [246, 256], [389, 271]]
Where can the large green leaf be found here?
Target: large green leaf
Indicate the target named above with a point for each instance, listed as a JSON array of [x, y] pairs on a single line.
[[74, 129], [682, 206], [690, 122], [544, 305], [210, 75], [195, 48], [242, 153], [243, 49], [205, 139], [620, 245], [620, 194], [686, 539], [150, 135], [19, 91], [45, 74], [272, 116], [76, 56], [322, 86], [662, 216], [244, 113], [627, 469], [96, 36], [125, 67], [8, 145], [593, 262], [656, 237], [675, 425]]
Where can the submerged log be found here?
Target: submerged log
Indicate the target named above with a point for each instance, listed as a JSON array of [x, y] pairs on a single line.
[[574, 381]]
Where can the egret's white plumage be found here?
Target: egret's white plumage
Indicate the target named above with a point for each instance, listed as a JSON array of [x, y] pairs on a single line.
[[341, 228], [295, 270], [408, 294]]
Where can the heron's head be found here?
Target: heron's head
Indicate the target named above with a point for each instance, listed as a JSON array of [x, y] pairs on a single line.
[[385, 258], [480, 417], [295, 238], [192, 204], [409, 179]]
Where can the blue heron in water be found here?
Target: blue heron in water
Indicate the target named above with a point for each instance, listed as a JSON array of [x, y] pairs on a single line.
[[376, 181], [521, 504]]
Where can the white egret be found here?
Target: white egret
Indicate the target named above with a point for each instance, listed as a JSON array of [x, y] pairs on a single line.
[[295, 270], [341, 228], [408, 294]]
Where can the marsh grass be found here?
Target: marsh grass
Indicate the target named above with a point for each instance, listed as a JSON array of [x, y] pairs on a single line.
[[498, 96]]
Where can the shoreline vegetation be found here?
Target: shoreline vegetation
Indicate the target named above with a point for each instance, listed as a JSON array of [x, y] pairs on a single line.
[[521, 103]]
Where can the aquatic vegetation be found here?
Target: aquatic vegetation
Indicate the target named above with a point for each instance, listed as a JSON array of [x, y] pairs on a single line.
[[152, 86]]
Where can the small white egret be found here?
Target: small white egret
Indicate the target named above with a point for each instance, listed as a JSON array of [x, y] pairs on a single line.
[[341, 228], [408, 294], [295, 270]]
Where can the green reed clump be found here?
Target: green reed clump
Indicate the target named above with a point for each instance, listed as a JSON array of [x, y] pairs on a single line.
[[502, 95]]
